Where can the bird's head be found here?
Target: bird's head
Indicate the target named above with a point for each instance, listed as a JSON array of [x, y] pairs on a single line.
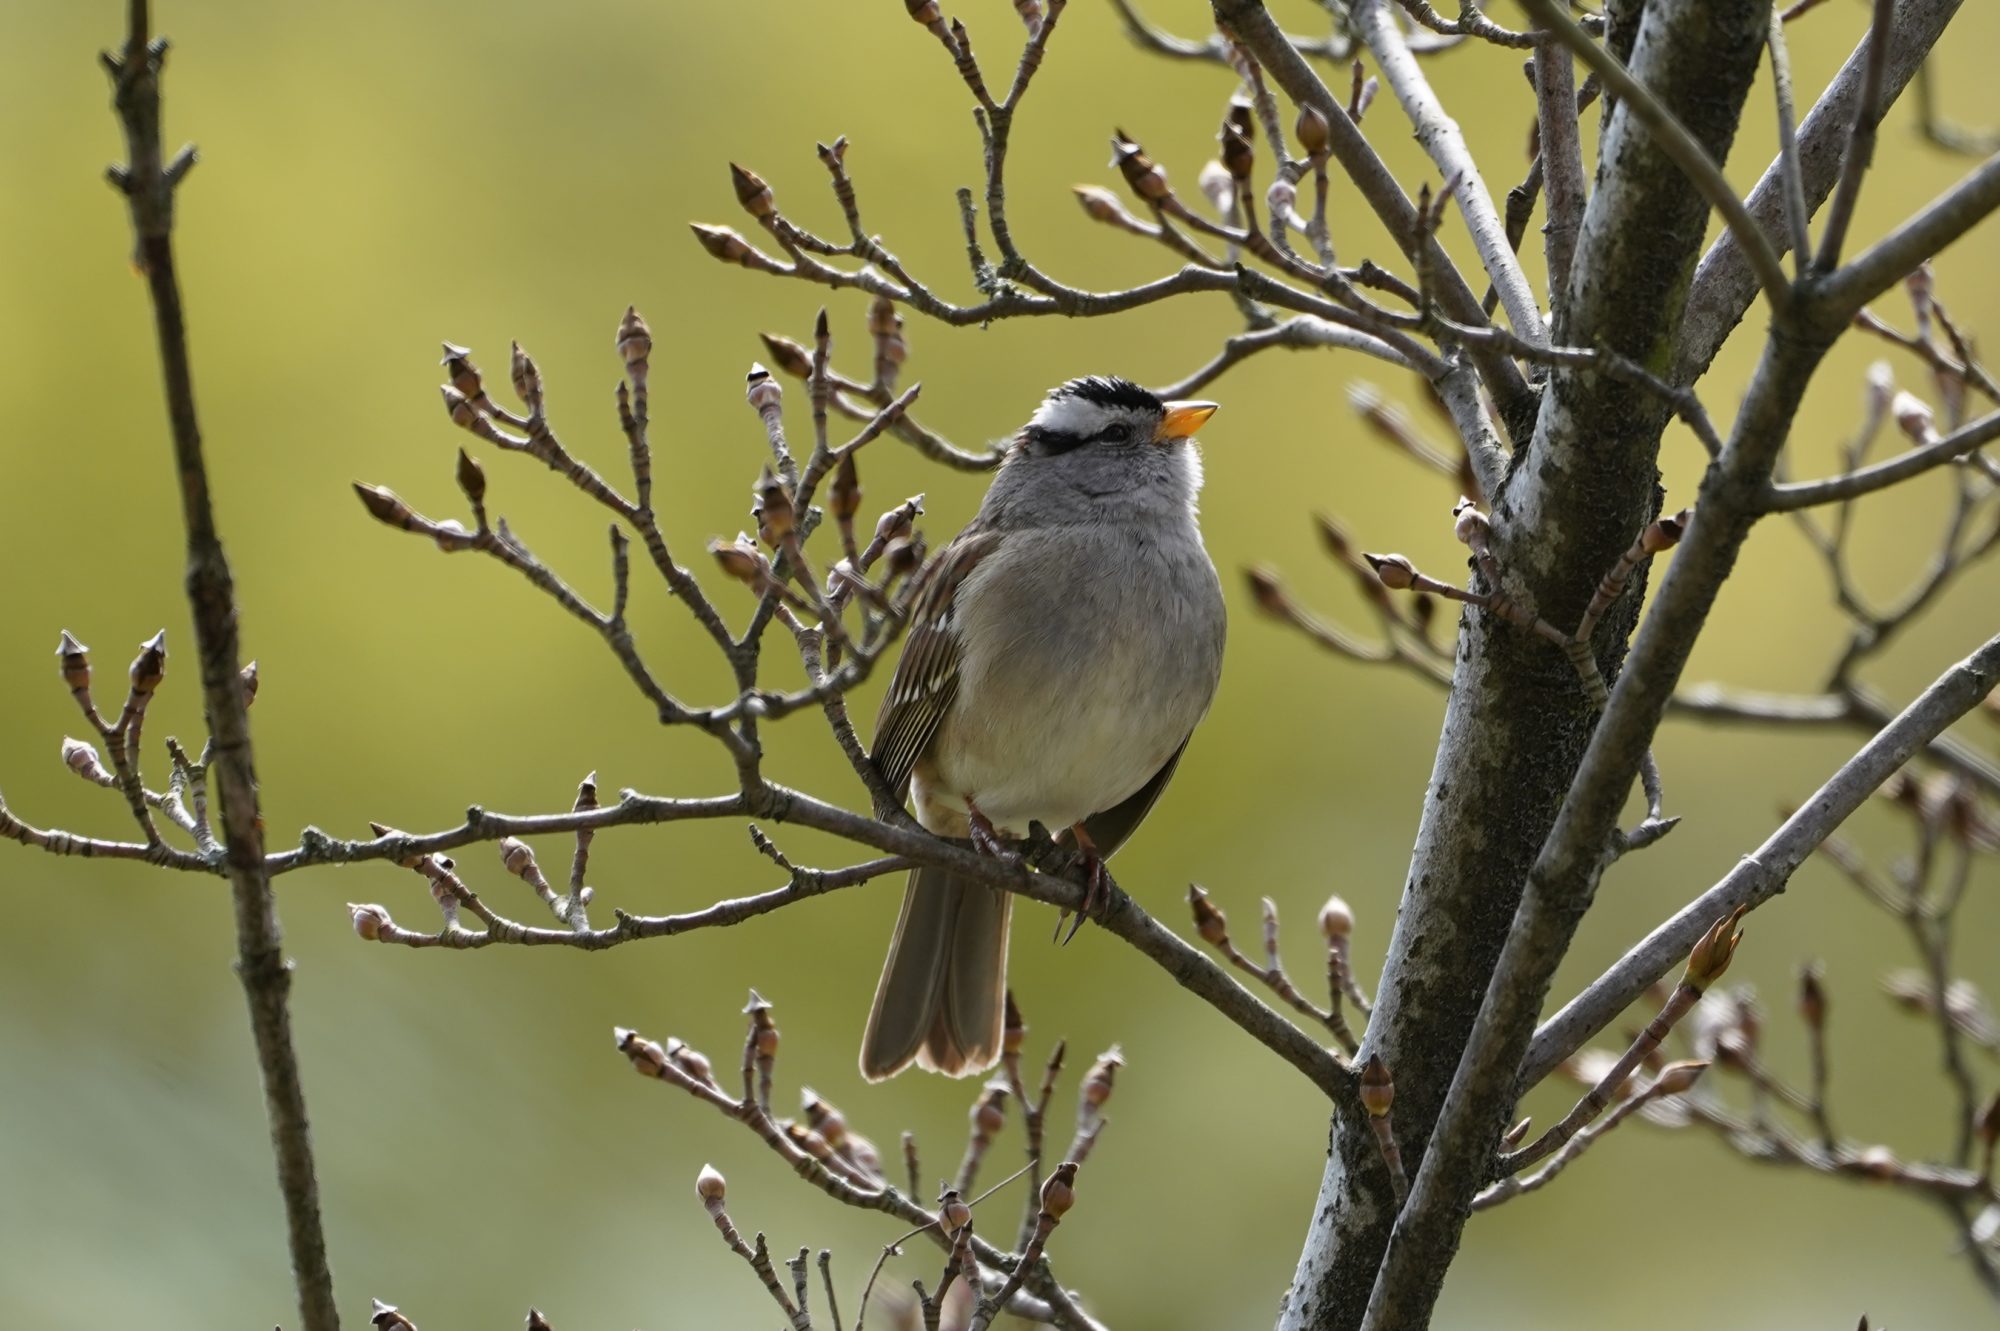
[[1105, 440]]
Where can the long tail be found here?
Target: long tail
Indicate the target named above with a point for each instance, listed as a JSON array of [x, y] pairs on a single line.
[[942, 997]]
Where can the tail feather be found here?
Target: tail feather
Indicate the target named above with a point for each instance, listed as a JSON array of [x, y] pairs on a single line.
[[942, 997]]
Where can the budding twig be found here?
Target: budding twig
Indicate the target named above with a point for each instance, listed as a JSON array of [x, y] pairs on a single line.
[[1706, 963]]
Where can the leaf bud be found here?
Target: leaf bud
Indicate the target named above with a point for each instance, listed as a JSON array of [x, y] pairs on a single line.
[[1145, 177], [1059, 1193], [1396, 573], [789, 355], [1336, 919], [635, 338], [369, 920], [752, 192], [1378, 1089], [761, 390], [1209, 921]]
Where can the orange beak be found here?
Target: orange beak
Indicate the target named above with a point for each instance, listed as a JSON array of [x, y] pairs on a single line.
[[1183, 419]]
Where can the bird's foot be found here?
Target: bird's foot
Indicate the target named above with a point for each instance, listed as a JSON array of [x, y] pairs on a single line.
[[986, 838], [1096, 895]]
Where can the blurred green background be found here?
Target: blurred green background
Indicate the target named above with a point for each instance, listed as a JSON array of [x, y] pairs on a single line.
[[378, 176]]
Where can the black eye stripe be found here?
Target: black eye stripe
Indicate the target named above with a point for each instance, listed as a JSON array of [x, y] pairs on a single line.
[[1054, 443]]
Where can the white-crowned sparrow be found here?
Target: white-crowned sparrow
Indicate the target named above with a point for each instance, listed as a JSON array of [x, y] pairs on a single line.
[[1061, 650]]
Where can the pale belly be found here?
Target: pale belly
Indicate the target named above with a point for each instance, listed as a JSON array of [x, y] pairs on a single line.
[[1093, 684]]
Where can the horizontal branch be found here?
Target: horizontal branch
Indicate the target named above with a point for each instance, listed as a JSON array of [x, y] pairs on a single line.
[[1764, 874], [1122, 917], [804, 884], [1867, 480]]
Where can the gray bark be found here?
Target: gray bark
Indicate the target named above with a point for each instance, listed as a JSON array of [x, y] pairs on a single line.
[[1517, 723]]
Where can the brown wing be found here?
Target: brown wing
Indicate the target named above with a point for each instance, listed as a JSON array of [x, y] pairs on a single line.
[[926, 678], [1110, 829]]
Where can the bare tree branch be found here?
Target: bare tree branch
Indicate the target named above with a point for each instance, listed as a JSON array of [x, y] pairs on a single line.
[[148, 183], [1765, 872]]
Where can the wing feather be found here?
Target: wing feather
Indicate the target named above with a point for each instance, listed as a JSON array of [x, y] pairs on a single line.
[[926, 679]]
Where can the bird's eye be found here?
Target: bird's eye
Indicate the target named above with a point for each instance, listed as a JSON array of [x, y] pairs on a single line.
[[1114, 434]]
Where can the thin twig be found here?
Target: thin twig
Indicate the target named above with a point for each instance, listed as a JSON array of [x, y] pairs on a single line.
[[148, 183]]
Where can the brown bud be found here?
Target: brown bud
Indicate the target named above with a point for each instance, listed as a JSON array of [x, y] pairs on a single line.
[[1100, 203], [74, 659], [1665, 533], [1209, 921], [752, 192], [789, 355], [1711, 954], [1334, 537], [905, 555], [822, 1117], [1097, 1083], [248, 675], [1679, 1078], [953, 1213], [741, 559], [471, 477], [1812, 997], [369, 920], [516, 856], [989, 1111], [1395, 572], [711, 1187], [843, 496], [721, 242], [463, 374], [1147, 178], [1336, 919], [537, 1322], [1378, 1089], [1059, 1193], [459, 407], [690, 1060], [898, 519], [1266, 590], [1516, 1134], [647, 1058], [761, 390], [526, 375], [1241, 117], [771, 505], [1238, 157], [1014, 1029], [382, 503], [635, 339], [1312, 131], [81, 757], [149, 667], [925, 12]]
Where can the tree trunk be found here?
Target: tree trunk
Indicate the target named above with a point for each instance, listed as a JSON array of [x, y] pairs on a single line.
[[1517, 721]]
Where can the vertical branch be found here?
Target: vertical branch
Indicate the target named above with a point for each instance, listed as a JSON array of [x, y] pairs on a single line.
[[1860, 140], [1562, 168], [148, 185]]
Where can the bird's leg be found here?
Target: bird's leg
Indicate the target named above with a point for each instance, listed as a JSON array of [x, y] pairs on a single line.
[[1093, 888], [986, 838]]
